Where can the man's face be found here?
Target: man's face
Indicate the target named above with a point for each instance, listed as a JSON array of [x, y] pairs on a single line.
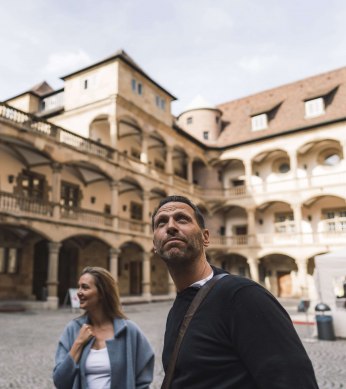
[[177, 235]]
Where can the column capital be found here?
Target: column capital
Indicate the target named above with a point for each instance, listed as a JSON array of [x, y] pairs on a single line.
[[54, 247], [56, 167], [114, 251], [114, 183]]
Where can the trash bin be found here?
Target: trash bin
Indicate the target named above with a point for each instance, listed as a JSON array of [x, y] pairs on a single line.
[[325, 329]]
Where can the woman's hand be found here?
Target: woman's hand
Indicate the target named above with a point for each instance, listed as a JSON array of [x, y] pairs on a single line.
[[85, 334]]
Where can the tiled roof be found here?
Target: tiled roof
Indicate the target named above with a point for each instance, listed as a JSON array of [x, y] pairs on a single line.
[[285, 106]]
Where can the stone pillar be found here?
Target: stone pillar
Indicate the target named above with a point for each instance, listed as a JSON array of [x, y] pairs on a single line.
[[253, 265], [113, 262], [251, 221], [169, 164], [52, 282], [297, 215], [146, 288], [190, 170], [248, 172], [293, 163], [146, 210], [56, 189], [113, 128], [302, 276], [115, 203], [144, 151]]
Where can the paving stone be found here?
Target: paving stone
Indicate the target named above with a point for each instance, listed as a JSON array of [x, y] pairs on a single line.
[[29, 339]]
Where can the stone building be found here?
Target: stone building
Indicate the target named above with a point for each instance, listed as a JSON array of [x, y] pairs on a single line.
[[83, 167]]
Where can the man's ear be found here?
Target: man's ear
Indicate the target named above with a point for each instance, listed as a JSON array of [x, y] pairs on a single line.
[[206, 238]]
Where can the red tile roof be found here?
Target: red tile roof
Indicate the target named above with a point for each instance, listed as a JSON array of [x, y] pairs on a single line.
[[287, 106]]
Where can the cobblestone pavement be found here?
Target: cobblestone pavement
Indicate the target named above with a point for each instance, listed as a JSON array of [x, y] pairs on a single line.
[[29, 339]]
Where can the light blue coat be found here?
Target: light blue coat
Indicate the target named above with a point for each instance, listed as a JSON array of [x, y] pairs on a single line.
[[131, 357]]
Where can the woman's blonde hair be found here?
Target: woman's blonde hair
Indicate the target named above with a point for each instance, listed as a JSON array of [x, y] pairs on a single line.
[[108, 290]]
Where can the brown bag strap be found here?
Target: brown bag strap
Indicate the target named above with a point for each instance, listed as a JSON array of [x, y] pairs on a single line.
[[201, 294]]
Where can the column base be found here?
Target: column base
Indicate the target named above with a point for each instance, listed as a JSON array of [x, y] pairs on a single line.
[[52, 303]]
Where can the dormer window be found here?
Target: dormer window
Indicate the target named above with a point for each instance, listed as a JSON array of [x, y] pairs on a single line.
[[314, 107], [189, 120], [259, 122]]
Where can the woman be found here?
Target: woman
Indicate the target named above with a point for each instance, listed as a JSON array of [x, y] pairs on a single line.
[[101, 348]]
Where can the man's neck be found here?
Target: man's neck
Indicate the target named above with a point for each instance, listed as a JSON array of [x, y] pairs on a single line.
[[183, 277]]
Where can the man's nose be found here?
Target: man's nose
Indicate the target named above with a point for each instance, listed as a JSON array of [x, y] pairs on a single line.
[[171, 225]]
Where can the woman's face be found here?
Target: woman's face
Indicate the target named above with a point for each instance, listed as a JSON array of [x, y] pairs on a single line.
[[87, 292]]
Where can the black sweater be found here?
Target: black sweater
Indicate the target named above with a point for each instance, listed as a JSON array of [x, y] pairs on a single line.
[[239, 338]]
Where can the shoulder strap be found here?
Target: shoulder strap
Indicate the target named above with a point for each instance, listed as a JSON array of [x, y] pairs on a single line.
[[201, 294]]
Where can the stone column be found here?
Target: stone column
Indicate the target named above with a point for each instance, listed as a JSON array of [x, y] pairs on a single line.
[[144, 151], [113, 125], [297, 215], [169, 164], [251, 221], [52, 282], [56, 189], [190, 170], [115, 203], [113, 262], [293, 163], [146, 288], [253, 265], [248, 172], [302, 276], [146, 210]]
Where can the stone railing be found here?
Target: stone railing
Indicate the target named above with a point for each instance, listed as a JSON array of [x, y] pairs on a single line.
[[18, 205], [86, 216], [28, 122], [131, 225]]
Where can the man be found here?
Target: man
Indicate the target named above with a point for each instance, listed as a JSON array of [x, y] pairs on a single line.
[[240, 337]]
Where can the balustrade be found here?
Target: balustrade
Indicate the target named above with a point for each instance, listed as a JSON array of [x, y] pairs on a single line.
[[86, 216], [19, 204], [30, 123]]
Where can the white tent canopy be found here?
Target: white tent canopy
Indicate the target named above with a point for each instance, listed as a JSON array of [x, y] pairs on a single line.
[[330, 278]]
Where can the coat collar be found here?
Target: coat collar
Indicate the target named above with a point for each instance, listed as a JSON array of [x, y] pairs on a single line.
[[119, 324]]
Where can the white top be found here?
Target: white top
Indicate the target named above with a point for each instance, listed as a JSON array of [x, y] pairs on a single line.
[[98, 369], [200, 283]]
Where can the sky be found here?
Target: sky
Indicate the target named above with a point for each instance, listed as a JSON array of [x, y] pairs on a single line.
[[221, 50]]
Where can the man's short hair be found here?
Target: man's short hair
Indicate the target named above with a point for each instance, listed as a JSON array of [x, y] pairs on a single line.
[[180, 199]]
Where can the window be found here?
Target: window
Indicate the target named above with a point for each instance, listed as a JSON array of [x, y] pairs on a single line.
[[284, 223], [206, 135], [85, 84], [32, 185], [136, 211], [160, 102], [281, 165], [284, 167], [335, 220], [314, 107], [331, 159], [139, 88], [259, 122], [189, 120], [134, 85], [9, 259], [70, 195]]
